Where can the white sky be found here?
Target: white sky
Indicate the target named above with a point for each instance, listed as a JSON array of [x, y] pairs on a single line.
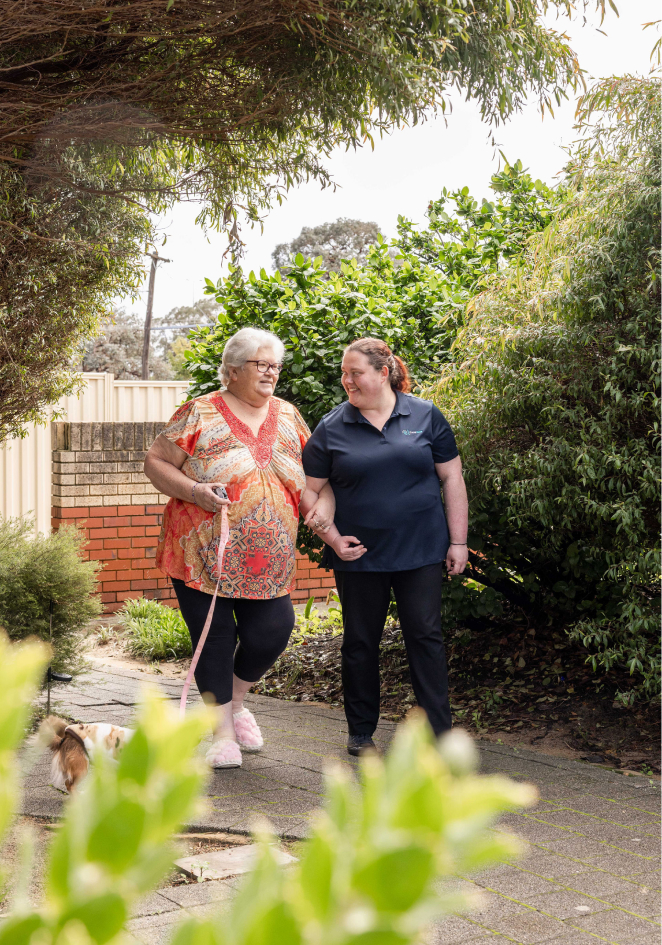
[[408, 168]]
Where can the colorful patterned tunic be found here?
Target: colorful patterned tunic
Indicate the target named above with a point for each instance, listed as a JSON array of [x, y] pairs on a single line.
[[264, 479]]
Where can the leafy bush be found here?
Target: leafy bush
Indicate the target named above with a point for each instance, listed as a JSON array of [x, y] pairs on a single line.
[[367, 874], [35, 571], [415, 302], [554, 398], [155, 631]]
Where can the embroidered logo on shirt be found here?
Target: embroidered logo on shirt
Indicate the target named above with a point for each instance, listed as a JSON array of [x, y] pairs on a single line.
[[411, 432]]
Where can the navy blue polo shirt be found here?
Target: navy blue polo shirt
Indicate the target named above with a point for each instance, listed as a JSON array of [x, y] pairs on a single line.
[[386, 487]]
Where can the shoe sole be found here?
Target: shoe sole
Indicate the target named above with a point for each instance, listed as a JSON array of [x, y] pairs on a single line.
[[250, 748]]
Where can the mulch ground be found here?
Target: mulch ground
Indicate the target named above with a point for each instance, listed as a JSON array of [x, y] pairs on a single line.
[[508, 683]]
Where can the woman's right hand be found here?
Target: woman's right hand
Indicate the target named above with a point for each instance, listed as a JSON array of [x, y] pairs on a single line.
[[204, 496], [348, 548]]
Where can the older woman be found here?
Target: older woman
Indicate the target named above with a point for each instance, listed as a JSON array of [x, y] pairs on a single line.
[[384, 452], [250, 442]]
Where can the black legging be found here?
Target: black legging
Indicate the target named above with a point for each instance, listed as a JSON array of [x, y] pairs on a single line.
[[263, 628], [364, 596]]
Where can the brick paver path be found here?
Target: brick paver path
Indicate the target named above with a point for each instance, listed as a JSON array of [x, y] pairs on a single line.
[[591, 875]]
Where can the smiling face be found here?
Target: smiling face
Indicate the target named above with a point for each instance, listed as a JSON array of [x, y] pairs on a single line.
[[251, 385], [364, 385]]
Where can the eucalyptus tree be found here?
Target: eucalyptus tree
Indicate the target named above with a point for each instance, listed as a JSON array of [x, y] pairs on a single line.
[[342, 239]]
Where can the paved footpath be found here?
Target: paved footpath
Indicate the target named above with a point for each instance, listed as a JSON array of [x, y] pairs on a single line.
[[591, 875]]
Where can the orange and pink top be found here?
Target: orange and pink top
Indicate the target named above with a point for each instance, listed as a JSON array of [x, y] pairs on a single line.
[[264, 479]]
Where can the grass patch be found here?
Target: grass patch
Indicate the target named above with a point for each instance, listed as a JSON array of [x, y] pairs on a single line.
[[154, 631]]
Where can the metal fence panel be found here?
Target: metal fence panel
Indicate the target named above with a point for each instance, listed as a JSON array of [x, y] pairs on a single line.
[[25, 464]]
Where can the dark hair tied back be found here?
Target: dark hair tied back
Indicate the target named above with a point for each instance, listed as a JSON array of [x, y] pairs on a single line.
[[379, 355]]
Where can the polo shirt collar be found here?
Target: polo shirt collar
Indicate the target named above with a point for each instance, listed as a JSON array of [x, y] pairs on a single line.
[[352, 414]]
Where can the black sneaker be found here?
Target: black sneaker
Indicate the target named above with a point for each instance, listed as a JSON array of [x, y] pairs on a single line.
[[360, 744]]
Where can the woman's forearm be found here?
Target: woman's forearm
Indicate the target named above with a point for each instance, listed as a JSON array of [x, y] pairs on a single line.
[[308, 500], [168, 479], [457, 508]]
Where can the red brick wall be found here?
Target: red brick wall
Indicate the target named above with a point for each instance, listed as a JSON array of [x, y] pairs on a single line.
[[312, 581], [123, 538], [99, 485]]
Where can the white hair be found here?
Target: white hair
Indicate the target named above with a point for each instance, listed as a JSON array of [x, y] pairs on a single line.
[[244, 345]]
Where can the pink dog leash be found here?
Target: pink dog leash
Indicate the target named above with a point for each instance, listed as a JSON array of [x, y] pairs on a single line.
[[222, 542]]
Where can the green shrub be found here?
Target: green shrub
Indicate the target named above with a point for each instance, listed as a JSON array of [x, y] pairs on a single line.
[[416, 302], [554, 398], [37, 570], [368, 873], [155, 631]]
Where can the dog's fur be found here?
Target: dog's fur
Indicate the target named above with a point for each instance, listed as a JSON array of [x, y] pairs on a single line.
[[73, 746]]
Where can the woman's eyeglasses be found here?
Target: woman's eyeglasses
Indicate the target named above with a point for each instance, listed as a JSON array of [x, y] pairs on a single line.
[[264, 366]]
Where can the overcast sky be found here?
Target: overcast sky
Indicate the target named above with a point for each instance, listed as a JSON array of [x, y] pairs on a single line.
[[409, 167]]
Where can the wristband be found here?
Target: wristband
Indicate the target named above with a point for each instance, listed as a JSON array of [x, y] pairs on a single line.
[[460, 543]]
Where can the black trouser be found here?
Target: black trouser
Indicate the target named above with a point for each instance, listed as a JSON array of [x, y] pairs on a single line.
[[263, 628], [364, 596]]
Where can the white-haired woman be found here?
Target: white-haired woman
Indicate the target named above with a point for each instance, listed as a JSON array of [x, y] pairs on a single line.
[[250, 442]]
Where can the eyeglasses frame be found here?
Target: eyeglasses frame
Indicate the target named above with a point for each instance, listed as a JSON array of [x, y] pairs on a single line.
[[277, 367]]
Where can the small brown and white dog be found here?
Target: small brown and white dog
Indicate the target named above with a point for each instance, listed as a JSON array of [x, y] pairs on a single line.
[[74, 746]]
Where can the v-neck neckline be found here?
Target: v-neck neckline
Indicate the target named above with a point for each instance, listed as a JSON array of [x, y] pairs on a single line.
[[260, 445]]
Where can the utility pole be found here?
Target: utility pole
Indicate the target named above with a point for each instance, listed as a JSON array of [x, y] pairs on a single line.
[[156, 259]]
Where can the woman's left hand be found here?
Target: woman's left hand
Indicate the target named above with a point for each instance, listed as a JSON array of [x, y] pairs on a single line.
[[320, 517], [456, 559]]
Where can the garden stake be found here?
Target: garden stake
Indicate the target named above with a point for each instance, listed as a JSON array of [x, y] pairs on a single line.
[[222, 542], [58, 677], [48, 674]]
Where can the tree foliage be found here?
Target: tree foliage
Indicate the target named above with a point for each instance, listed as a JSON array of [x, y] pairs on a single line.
[[369, 871], [554, 397], [64, 253], [224, 83], [344, 239], [109, 112], [415, 302], [118, 349]]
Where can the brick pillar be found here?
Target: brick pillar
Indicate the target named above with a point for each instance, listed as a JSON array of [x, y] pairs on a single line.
[[99, 485]]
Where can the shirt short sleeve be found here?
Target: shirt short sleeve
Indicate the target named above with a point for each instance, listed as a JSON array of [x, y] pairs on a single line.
[[443, 441], [316, 456], [184, 427]]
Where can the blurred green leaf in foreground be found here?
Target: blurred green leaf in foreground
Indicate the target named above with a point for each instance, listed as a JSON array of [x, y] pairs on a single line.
[[368, 874]]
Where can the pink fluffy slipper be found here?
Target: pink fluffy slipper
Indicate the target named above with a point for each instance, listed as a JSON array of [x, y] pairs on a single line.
[[224, 753], [247, 730]]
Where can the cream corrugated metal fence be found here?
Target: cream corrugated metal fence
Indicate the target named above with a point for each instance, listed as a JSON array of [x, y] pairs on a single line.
[[25, 464]]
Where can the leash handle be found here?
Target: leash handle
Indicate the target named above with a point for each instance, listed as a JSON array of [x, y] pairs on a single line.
[[222, 542]]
